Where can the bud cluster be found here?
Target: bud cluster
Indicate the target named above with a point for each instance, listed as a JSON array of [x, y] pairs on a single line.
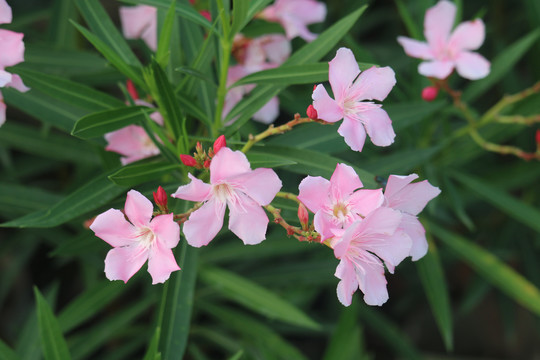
[[201, 159]]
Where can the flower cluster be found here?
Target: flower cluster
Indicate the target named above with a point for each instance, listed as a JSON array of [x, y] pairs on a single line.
[[11, 53]]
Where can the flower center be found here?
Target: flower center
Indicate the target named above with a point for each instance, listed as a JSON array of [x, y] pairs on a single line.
[[223, 192], [146, 237], [340, 211]]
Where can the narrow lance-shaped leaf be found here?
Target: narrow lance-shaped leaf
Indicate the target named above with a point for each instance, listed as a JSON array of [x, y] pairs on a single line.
[[53, 343], [101, 123], [164, 43], [135, 174]]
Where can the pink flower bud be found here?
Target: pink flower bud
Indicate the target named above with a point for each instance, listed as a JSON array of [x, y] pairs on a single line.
[[198, 148], [430, 93], [303, 216], [312, 113], [206, 163], [538, 138], [132, 90], [206, 14], [219, 143], [160, 198], [188, 160], [314, 87]]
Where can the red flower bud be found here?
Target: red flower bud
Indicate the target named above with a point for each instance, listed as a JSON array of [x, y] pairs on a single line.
[[219, 143], [312, 113], [314, 87], [206, 163], [132, 90], [538, 138], [198, 148], [303, 215], [188, 160], [206, 14], [430, 93], [160, 198]]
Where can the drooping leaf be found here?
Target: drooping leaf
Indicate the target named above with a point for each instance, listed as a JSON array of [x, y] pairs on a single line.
[[103, 122], [135, 174]]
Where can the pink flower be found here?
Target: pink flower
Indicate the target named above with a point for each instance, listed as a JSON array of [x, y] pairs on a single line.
[[132, 141], [137, 240], [446, 51], [410, 198], [350, 88], [11, 53], [234, 185], [140, 22], [364, 246], [295, 16], [336, 203]]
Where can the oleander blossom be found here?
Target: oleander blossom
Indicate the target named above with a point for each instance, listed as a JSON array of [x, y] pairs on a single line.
[[410, 199], [132, 141], [11, 53], [137, 240], [234, 185], [362, 249], [337, 203], [446, 50], [295, 16], [140, 22], [351, 87]]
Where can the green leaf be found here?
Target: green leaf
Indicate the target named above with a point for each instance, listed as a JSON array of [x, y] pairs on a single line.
[[62, 62], [61, 32], [309, 53], [520, 211], [102, 26], [53, 344], [258, 160], [292, 74], [504, 62], [432, 277], [256, 298], [69, 91], [116, 60], [135, 174], [492, 269], [90, 196], [410, 24], [6, 352], [239, 16], [177, 304], [19, 199], [153, 349], [388, 332], [344, 343], [312, 162], [89, 303], [100, 123], [185, 11], [164, 43]]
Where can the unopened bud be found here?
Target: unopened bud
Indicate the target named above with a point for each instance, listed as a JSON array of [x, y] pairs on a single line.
[[314, 87], [132, 90], [312, 113], [303, 216], [206, 163], [219, 143], [430, 93], [188, 160], [160, 198], [206, 15], [538, 138], [198, 148]]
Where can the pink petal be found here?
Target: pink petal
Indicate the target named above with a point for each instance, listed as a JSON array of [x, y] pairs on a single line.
[[436, 69], [409, 197], [307, 11], [122, 263], [277, 48], [260, 185], [353, 132], [138, 208], [415, 48], [166, 230], [269, 112], [343, 182], [157, 117], [5, 12], [112, 227], [371, 281], [204, 224], [149, 35], [227, 163], [161, 263], [247, 220], [378, 126], [196, 190], [468, 35], [348, 284], [374, 83], [312, 192], [365, 201], [324, 225], [392, 248], [5, 78], [342, 71], [472, 66], [438, 23], [136, 19], [12, 48], [414, 229], [132, 142], [380, 222], [327, 108], [17, 83]]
